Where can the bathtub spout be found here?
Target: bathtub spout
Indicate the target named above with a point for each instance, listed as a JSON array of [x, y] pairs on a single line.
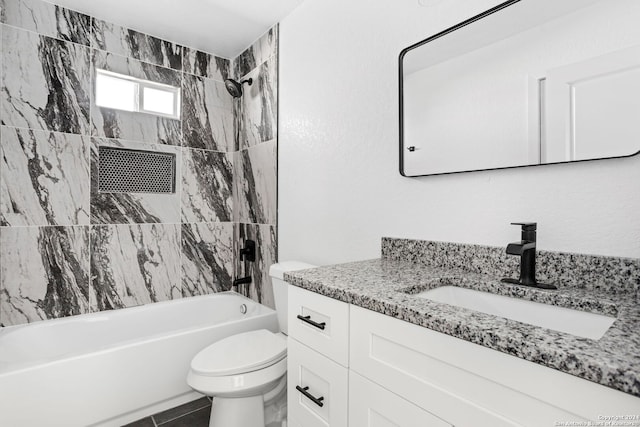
[[241, 281]]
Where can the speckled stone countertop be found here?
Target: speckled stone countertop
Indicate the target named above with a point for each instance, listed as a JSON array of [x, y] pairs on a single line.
[[386, 286]]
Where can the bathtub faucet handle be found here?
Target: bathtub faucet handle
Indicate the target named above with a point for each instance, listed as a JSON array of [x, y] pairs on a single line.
[[249, 251]]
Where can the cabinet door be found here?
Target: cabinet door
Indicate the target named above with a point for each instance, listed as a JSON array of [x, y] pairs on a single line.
[[317, 388], [470, 385], [320, 323], [373, 406]]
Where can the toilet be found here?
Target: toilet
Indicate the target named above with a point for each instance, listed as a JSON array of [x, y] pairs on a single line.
[[247, 371]]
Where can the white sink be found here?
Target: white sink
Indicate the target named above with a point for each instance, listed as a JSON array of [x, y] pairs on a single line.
[[575, 322]]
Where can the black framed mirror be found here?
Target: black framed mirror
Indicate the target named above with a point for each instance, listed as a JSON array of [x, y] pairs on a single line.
[[526, 83]]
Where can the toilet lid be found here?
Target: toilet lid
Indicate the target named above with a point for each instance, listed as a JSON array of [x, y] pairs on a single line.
[[241, 353]]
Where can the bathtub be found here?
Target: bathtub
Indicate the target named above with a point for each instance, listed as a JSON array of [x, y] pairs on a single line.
[[111, 368]]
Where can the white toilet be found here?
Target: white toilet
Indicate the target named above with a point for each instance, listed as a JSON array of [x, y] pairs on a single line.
[[245, 372]]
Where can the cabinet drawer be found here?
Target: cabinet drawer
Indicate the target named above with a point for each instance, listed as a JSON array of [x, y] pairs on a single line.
[[317, 388], [319, 322], [373, 406]]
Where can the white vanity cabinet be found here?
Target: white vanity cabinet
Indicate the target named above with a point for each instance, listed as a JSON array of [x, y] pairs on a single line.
[[322, 391], [375, 370], [466, 384]]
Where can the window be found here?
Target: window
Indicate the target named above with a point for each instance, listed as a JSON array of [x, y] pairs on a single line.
[[122, 92]]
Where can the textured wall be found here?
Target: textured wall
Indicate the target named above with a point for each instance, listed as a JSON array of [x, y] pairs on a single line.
[[339, 186], [66, 248]]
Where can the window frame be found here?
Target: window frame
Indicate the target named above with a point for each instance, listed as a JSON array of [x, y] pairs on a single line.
[[140, 85]]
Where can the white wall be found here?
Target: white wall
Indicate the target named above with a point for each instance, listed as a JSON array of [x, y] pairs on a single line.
[[339, 186]]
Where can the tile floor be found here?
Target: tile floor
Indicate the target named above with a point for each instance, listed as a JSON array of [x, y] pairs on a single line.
[[191, 414]]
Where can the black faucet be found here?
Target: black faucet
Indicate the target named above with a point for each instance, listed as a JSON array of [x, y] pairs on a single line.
[[249, 251], [526, 250], [241, 281]]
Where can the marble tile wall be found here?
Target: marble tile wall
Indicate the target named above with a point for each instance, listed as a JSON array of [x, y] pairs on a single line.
[[265, 237], [67, 248], [256, 162]]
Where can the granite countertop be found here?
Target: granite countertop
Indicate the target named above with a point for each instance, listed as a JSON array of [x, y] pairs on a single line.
[[385, 286]]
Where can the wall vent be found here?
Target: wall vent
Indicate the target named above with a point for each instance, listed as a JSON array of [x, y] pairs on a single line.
[[134, 171]]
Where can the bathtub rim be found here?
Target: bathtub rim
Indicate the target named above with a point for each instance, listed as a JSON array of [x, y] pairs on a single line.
[[16, 367]]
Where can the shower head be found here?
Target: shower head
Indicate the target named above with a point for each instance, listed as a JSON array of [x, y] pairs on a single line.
[[235, 88]]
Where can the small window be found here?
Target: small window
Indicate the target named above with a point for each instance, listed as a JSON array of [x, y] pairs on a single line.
[[122, 92]]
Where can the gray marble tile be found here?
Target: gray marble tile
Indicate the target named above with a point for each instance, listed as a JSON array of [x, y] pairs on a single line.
[[47, 19], [1, 64], [264, 48], [205, 64], [45, 178], [207, 180], [126, 42], [258, 107], [261, 288], [135, 264], [136, 68], [110, 123], [207, 258], [256, 184], [44, 272], [610, 274], [45, 83], [5, 197], [121, 208], [207, 115]]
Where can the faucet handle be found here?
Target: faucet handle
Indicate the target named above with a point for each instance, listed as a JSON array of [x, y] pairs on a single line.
[[249, 251], [526, 226], [528, 232]]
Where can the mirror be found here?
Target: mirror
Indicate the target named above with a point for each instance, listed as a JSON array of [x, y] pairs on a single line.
[[528, 82]]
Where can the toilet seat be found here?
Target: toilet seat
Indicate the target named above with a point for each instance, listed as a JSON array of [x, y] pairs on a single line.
[[240, 354], [241, 365], [239, 385]]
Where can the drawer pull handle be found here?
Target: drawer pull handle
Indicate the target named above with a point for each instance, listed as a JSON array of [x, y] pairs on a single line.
[[308, 320], [316, 400]]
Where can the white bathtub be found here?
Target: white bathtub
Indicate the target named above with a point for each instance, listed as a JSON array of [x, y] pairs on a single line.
[[111, 368]]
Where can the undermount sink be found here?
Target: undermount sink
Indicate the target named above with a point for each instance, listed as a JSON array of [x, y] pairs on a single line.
[[575, 322]]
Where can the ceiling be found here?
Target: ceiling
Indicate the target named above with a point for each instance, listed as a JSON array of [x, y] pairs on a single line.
[[222, 27]]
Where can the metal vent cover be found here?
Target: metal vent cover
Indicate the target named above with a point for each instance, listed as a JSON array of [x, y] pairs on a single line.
[[122, 170]]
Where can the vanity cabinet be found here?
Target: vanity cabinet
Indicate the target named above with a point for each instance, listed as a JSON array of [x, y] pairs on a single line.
[[389, 372], [322, 390], [466, 384]]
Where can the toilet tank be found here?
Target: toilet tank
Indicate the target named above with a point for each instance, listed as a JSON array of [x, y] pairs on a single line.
[[280, 290]]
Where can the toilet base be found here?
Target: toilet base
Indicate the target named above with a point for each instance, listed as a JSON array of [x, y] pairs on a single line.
[[252, 411], [237, 412]]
